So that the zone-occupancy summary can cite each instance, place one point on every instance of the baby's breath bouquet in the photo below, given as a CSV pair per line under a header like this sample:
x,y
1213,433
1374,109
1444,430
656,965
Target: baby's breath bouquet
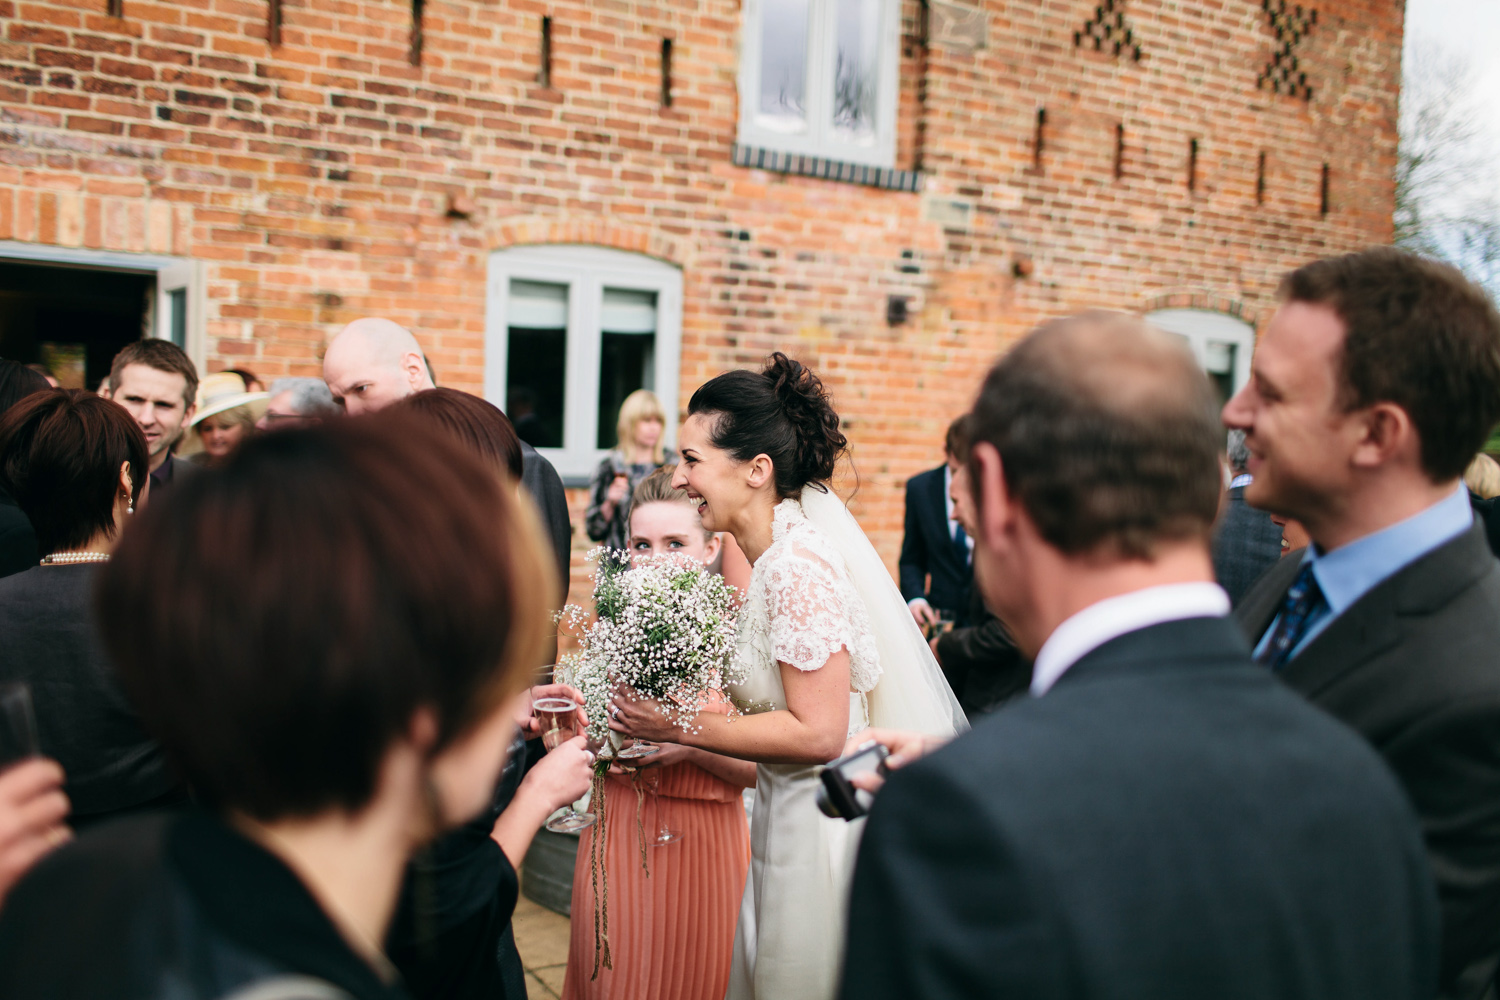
x,y
665,627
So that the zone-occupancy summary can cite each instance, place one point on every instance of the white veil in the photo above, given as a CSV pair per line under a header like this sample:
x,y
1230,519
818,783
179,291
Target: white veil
x,y
912,693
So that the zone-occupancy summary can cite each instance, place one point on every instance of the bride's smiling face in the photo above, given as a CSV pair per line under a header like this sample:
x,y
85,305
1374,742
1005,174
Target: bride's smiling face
x,y
721,485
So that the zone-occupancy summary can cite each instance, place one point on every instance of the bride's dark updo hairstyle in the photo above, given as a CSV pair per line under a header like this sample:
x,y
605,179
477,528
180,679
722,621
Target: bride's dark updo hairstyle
x,y
782,411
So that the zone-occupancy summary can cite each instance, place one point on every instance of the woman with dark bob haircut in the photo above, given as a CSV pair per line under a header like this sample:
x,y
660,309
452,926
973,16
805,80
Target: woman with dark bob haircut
x,y
451,937
329,635
77,466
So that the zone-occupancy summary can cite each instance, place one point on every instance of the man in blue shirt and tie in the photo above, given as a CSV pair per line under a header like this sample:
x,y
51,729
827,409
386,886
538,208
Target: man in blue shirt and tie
x,y
1373,386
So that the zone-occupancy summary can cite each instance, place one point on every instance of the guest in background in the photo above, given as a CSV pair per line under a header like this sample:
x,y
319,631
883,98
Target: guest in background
x,y
157,384
1246,543
672,931
297,402
32,810
400,580
981,661
17,540
936,562
639,451
45,373
250,381
1161,819
373,363
77,466
451,936
1482,477
1372,388
224,417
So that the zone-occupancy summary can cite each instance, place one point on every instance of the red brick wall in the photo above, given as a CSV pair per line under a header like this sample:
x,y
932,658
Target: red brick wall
x,y
313,178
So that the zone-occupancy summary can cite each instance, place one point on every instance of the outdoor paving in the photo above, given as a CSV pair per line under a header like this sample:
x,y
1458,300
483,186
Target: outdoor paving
x,y
542,940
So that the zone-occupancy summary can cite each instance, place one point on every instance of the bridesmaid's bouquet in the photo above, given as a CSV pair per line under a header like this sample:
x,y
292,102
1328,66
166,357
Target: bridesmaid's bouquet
x,y
664,626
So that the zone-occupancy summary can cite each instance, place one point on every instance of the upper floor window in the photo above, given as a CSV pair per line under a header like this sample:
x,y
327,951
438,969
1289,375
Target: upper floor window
x,y
570,331
818,77
1223,344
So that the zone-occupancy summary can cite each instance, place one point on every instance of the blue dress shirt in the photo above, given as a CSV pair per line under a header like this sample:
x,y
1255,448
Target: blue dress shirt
x,y
1349,572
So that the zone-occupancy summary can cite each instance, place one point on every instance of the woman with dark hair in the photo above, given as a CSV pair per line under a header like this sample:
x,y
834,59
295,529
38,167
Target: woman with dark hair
x,y
77,466
337,675
17,540
826,648
451,937
478,424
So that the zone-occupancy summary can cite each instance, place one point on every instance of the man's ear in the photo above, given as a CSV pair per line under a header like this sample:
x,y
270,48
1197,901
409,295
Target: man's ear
x,y
415,366
992,503
1386,433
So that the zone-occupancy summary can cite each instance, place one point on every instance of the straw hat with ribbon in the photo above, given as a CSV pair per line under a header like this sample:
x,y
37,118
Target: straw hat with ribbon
x,y
217,394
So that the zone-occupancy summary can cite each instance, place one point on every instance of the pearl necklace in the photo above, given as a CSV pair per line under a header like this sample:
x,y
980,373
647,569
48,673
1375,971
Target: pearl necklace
x,y
72,558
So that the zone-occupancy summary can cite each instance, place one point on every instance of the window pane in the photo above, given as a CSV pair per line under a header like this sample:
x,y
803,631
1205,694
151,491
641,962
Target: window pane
x,y
856,69
536,361
783,65
627,354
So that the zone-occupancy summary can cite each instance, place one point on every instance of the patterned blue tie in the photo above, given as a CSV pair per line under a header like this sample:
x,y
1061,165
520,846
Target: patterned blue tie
x,y
961,539
1303,600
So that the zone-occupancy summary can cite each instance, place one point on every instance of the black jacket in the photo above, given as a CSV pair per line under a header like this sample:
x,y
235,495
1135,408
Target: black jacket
x,y
1414,667
546,488
981,661
18,550
1166,822
1246,544
929,550
48,640
169,905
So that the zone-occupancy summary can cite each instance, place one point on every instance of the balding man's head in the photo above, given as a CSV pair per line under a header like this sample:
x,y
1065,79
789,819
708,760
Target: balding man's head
x,y
1107,433
372,363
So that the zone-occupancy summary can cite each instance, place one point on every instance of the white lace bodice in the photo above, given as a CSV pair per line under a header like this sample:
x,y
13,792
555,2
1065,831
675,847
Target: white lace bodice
x,y
800,609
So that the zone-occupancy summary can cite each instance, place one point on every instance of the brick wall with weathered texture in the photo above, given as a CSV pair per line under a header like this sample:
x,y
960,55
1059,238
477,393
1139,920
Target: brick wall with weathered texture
x,y
314,177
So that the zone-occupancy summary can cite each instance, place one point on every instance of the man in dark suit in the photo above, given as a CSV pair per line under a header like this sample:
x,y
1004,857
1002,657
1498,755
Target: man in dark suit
x,y
936,548
1246,541
1163,819
1373,386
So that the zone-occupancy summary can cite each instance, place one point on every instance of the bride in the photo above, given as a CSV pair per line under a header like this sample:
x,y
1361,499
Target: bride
x,y
826,648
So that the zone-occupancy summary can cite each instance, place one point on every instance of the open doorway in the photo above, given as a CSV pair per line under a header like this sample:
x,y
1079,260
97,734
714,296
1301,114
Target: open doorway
x,y
72,320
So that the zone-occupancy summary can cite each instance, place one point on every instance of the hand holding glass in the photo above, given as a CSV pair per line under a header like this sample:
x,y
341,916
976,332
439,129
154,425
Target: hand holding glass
x,y
559,722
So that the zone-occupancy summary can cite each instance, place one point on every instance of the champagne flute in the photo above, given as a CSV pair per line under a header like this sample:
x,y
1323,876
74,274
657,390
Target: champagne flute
x,y
559,723
664,835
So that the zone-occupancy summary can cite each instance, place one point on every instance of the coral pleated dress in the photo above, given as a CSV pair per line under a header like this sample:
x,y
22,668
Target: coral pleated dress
x,y
671,935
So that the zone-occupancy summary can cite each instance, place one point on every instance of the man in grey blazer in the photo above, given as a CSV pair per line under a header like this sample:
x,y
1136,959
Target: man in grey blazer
x,y
1373,386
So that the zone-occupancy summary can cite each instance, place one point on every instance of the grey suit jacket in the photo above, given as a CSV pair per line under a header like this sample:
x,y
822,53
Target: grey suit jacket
x,y
1246,544
1414,667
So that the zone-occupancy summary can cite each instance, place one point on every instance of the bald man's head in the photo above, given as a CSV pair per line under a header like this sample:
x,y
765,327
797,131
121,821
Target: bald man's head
x,y
372,363
1108,434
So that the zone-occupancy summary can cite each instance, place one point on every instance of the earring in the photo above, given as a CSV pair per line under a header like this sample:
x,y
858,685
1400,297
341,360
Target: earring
x,y
129,503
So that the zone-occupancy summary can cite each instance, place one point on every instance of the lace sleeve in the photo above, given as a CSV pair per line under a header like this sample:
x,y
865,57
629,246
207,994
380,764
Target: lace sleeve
x,y
808,623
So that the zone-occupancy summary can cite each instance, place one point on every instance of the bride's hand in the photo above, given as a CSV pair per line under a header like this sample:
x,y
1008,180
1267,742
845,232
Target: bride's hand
x,y
633,715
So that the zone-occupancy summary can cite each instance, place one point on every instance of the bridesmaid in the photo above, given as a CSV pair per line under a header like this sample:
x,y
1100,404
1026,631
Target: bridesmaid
x,y
672,934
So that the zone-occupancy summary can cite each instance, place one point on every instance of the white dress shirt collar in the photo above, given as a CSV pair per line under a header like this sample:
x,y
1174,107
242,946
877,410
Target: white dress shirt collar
x,y
1113,617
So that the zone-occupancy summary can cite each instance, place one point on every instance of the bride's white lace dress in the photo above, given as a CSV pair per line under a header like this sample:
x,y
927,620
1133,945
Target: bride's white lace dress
x,y
802,607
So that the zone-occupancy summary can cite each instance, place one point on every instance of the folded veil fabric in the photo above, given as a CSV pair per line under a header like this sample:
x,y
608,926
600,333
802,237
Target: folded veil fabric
x,y
912,693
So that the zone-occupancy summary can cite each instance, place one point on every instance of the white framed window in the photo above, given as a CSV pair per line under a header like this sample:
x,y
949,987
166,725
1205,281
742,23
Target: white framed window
x,y
819,78
570,331
1222,344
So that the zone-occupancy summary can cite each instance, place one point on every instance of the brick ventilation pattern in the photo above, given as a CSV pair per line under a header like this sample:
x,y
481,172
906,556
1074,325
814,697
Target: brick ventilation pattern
x,y
1108,31
832,170
1291,23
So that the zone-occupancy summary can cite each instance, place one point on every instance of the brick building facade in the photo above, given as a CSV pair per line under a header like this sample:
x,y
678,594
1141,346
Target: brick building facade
x,y
266,170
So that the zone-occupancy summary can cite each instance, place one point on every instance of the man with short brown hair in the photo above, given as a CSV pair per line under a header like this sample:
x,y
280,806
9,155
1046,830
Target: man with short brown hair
x,y
1162,818
157,383
1372,388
